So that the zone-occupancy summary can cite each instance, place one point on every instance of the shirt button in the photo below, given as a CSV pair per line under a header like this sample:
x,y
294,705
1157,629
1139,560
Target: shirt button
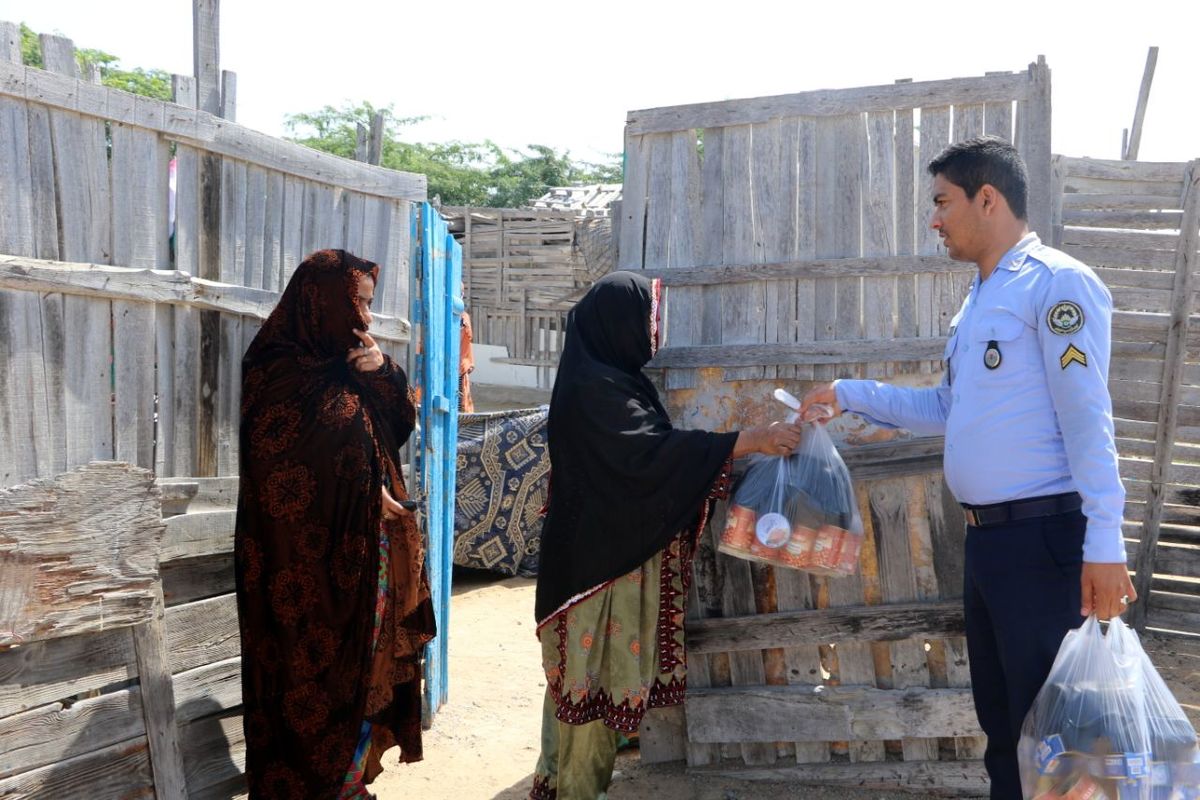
x,y
966,348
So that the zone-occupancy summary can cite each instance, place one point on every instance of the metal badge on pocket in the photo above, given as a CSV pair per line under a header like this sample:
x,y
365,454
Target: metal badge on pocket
x,y
991,356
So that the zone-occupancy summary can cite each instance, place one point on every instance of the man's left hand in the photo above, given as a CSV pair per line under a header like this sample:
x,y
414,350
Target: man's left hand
x,y
1107,590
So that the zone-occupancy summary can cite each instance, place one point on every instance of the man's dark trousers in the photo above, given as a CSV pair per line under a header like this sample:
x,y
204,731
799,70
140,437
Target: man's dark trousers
x,y
1021,595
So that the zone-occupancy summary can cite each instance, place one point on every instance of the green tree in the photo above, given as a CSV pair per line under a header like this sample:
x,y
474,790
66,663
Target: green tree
x,y
154,83
460,173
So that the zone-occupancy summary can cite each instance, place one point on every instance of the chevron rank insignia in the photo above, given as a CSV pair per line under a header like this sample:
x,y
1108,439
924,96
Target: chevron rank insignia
x,y
1073,355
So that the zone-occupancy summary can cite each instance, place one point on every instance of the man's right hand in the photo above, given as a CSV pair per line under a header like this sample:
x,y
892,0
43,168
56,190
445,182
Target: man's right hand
x,y
820,395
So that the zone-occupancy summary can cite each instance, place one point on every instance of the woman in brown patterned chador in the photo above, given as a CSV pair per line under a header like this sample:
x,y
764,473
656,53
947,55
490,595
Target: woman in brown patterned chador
x,y
629,493
332,594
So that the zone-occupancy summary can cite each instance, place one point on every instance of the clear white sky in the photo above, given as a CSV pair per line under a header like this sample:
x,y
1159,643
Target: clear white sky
x,y
564,74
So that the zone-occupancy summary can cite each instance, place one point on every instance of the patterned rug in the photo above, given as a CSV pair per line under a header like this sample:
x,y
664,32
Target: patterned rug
x,y
503,475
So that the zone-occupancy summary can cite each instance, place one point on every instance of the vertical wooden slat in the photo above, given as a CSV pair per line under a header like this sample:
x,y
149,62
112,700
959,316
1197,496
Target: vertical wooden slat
x,y
847,221
273,225
879,231
89,410
633,205
186,389
909,217
256,221
890,510
293,228
1036,148
1168,410
233,222
229,383
45,200
935,136
206,54
806,233
158,705
742,304
134,334
712,228
685,314
830,205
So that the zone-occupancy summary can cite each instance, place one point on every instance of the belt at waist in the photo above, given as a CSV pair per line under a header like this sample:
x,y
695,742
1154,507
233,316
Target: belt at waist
x,y
1016,510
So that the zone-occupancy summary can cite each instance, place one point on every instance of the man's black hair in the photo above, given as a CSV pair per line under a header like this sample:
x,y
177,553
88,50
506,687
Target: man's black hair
x,y
986,159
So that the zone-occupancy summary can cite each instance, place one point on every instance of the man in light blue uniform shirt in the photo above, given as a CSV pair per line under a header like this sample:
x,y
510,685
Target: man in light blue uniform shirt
x,y
1025,409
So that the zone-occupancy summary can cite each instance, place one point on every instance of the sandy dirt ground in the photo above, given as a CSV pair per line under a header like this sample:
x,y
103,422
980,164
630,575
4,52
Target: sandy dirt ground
x,y
484,743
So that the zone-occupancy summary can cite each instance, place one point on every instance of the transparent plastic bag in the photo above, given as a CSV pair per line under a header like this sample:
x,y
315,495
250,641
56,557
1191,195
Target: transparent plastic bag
x,y
797,511
1093,729
1174,755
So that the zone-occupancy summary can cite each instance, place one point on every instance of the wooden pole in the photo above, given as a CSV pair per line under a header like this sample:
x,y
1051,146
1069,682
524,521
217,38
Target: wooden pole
x,y
206,59
360,142
375,146
1168,407
1139,114
229,95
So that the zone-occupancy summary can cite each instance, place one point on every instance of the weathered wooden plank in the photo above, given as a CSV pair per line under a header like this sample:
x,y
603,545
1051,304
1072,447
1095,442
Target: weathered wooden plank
x,y
120,770
16,210
829,102
190,579
214,751
139,198
54,345
88,374
1121,218
208,132
879,233
156,286
41,187
201,533
1169,415
877,266
1035,147
233,222
682,240
742,305
187,210
1113,169
934,137
202,632
923,778
746,669
208,689
805,244
158,703
57,582
229,393
850,713
821,352
796,628
633,202
59,731
133,369
255,227
42,672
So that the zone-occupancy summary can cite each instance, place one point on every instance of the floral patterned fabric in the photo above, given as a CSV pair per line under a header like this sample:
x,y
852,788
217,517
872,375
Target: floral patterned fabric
x,y
318,441
620,650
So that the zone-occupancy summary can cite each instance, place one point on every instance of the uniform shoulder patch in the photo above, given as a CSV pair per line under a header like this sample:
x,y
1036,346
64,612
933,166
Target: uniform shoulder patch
x,y
1072,355
1065,318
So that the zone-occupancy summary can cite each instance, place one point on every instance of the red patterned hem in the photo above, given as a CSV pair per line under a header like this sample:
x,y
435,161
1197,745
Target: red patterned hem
x,y
624,717
541,789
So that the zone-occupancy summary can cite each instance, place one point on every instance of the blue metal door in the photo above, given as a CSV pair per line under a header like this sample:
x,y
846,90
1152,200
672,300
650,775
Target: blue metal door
x,y
437,308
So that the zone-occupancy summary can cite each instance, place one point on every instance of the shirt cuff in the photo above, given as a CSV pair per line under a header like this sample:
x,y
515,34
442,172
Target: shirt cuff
x,y
1104,546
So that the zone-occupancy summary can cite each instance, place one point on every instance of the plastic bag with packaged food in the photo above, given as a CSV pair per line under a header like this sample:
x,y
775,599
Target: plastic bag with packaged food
x,y
797,511
1105,727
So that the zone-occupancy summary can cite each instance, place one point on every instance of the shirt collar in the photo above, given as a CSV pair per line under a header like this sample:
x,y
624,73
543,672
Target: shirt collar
x,y
1015,258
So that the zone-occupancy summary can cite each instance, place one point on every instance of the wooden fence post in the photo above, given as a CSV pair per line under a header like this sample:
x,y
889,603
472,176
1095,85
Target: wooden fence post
x,y
1168,408
206,58
158,704
1036,149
